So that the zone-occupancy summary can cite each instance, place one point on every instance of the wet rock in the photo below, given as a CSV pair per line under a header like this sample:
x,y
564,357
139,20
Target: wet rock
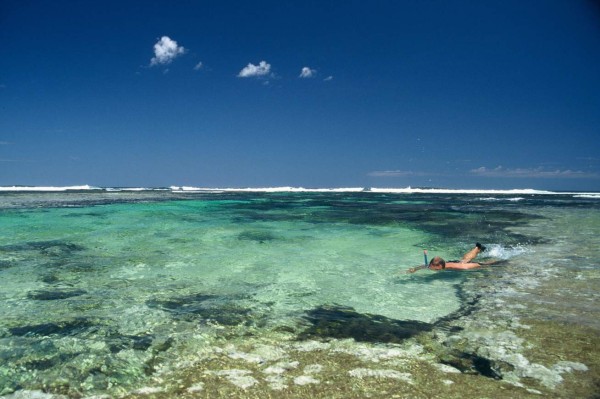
x,y
345,322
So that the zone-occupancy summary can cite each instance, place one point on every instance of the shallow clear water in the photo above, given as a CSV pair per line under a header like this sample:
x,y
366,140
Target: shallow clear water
x,y
104,292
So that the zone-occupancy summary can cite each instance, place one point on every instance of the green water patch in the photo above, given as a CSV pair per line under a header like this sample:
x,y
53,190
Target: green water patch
x,y
333,321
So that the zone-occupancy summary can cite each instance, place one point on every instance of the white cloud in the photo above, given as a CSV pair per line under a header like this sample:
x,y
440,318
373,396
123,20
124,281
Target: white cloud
x,y
328,78
263,68
165,51
538,173
198,66
307,72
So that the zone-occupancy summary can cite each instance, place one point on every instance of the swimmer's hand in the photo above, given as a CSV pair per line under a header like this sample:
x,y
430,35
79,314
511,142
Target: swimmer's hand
x,y
414,269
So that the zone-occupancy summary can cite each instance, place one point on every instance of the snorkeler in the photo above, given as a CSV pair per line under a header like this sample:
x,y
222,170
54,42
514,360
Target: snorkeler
x,y
465,263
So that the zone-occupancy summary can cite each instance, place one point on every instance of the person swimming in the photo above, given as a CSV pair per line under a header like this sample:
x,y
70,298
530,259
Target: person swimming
x,y
465,263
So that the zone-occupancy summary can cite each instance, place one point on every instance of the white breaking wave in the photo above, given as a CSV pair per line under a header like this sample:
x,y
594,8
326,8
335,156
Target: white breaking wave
x,y
406,190
410,190
500,252
285,189
587,196
119,189
514,199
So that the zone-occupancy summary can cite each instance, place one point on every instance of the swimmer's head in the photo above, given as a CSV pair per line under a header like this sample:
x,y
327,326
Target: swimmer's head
x,y
437,263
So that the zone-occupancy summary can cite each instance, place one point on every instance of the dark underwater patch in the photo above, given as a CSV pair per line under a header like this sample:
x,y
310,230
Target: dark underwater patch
x,y
259,236
117,343
449,216
206,307
86,214
52,295
63,328
6,264
344,322
49,248
51,278
44,363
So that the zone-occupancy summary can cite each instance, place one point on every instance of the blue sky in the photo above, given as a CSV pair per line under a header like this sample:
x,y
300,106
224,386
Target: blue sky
x,y
456,94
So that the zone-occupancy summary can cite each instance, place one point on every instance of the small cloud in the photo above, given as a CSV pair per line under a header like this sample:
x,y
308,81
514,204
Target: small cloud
x,y
307,72
263,68
397,173
328,78
165,51
198,66
4,143
537,173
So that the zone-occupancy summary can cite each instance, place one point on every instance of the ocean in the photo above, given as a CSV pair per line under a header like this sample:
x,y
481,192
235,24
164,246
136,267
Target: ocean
x,y
292,293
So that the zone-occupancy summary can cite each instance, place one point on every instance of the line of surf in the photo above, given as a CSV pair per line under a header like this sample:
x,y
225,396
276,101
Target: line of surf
x,y
290,189
405,190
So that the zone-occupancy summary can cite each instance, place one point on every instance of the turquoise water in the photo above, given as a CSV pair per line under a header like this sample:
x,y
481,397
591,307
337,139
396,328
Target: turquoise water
x,y
103,293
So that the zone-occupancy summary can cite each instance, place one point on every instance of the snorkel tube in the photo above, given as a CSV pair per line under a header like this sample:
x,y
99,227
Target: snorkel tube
x,y
425,257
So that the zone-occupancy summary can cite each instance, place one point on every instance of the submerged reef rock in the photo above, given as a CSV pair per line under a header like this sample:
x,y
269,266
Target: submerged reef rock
x,y
52,295
118,342
344,322
206,307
